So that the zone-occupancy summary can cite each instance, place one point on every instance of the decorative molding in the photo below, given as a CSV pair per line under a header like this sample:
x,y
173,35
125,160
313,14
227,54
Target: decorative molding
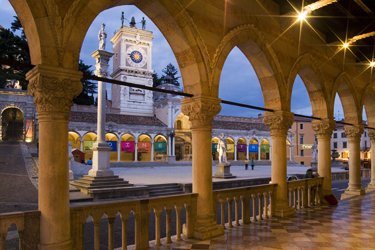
x,y
279,122
353,132
323,127
371,135
201,110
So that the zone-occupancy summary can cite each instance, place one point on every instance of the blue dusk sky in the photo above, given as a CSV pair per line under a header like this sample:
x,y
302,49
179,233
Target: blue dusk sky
x,y
238,81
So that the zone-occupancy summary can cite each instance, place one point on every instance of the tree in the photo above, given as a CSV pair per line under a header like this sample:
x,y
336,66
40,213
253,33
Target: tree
x,y
170,75
156,80
14,51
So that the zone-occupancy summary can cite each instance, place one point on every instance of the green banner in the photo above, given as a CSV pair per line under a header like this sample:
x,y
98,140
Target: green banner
x,y
265,148
160,147
214,147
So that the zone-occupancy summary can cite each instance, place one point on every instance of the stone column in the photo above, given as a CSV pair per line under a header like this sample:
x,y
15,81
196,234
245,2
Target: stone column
x,y
371,185
323,130
279,123
135,151
101,150
119,150
152,150
201,111
53,89
235,151
259,144
353,133
247,150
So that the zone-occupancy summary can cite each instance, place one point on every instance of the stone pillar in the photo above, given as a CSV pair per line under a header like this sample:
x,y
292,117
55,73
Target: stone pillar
x,y
323,130
371,185
247,150
201,111
101,150
259,144
235,151
119,150
152,150
53,89
353,133
279,123
291,156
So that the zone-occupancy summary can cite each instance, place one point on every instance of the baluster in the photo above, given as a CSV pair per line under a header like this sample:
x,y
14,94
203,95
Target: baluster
x,y
254,207
302,197
188,223
294,198
317,197
157,227
110,233
290,197
245,203
222,213
230,225
178,223
271,204
259,196
168,213
97,234
298,202
236,211
20,240
123,232
265,207
309,196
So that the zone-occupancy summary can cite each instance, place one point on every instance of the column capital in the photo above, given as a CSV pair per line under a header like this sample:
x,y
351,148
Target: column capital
x,y
53,89
353,132
102,62
201,110
278,122
323,127
371,135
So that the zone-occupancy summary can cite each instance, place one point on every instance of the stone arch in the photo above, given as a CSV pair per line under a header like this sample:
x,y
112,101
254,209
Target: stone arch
x,y
75,139
344,87
55,39
306,66
262,57
12,123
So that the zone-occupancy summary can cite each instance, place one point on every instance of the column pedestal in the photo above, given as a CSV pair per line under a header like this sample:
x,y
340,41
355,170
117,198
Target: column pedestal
x,y
100,160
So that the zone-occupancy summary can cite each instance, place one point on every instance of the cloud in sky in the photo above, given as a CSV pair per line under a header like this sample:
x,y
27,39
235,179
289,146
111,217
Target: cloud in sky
x,y
238,81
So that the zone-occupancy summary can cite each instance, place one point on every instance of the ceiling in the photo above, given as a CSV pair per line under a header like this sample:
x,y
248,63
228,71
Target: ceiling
x,y
340,21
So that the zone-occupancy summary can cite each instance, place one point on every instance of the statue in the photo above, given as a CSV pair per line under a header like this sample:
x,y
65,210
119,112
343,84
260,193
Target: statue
x,y
102,36
122,19
314,155
143,22
132,23
222,150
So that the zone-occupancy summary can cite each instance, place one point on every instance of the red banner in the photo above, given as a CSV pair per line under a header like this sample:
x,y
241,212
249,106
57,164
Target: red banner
x,y
127,146
144,147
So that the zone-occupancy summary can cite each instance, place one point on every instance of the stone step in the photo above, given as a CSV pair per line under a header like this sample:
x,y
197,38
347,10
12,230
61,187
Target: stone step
x,y
165,189
91,186
103,183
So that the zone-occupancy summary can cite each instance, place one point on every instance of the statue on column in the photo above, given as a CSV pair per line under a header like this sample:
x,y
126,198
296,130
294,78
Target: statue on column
x,y
222,150
122,19
143,22
132,23
102,36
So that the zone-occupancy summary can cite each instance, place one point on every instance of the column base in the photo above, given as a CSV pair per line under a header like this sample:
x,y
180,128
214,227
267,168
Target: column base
x,y
100,173
370,187
206,228
56,246
100,161
283,210
223,171
171,159
350,193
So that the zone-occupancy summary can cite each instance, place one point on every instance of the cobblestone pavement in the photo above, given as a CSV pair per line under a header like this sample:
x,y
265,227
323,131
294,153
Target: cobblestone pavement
x,y
17,192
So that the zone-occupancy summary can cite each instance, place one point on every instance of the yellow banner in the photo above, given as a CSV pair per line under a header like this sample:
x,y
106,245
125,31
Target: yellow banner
x,y
230,148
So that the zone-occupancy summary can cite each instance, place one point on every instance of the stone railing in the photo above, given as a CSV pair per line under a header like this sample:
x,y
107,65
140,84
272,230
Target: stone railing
x,y
136,213
255,201
304,193
24,226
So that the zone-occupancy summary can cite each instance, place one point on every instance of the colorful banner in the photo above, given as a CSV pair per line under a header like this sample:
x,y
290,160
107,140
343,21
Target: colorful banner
x,y
253,148
87,145
144,147
230,148
112,145
160,147
265,148
241,147
128,146
214,147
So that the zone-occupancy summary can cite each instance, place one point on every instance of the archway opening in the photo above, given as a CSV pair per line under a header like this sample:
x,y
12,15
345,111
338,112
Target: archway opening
x,y
241,149
127,145
88,143
12,124
254,149
264,150
339,140
144,148
112,140
160,148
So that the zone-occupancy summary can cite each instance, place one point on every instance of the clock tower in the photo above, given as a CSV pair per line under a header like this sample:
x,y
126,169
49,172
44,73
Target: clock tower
x,y
132,62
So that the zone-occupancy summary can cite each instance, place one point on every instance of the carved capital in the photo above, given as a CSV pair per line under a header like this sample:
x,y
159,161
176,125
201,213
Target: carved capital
x,y
371,134
353,132
201,110
324,127
278,122
53,89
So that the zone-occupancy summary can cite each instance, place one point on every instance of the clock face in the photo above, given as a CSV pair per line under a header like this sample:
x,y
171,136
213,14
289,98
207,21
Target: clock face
x,y
136,56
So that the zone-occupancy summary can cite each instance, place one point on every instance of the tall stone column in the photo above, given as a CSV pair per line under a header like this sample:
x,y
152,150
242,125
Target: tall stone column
x,y
53,89
279,123
201,111
323,130
101,150
353,133
371,185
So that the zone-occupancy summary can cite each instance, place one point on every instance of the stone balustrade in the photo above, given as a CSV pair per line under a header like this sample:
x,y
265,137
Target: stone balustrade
x,y
256,204
25,224
137,210
304,193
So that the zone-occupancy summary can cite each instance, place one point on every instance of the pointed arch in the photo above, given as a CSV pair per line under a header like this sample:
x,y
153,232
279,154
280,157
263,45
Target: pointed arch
x,y
307,68
352,109
262,57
